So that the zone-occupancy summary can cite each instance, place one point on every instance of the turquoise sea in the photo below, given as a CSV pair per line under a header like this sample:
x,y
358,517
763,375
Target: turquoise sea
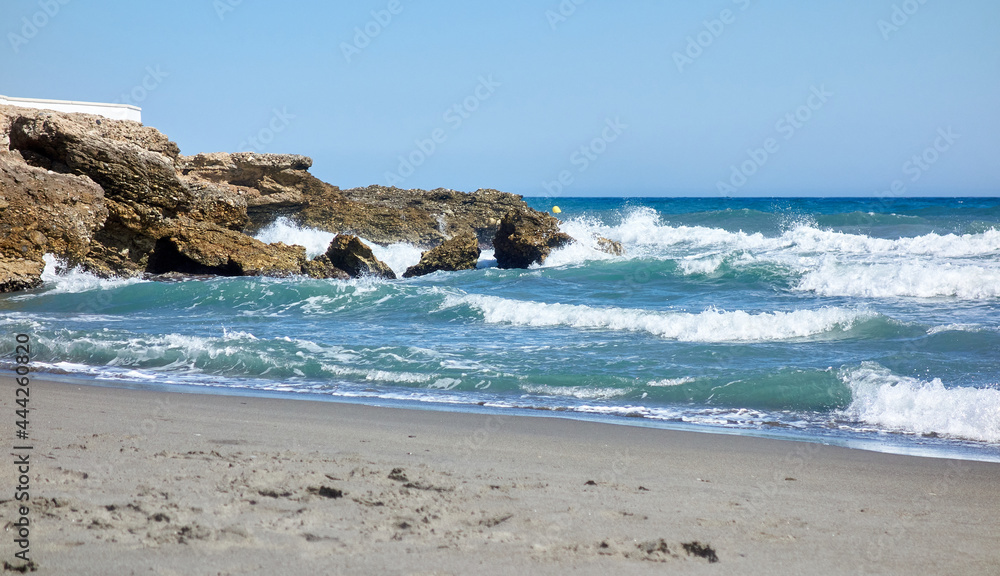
x,y
871,323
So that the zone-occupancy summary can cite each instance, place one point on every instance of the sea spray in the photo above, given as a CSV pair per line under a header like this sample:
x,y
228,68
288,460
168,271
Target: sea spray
x,y
398,256
284,230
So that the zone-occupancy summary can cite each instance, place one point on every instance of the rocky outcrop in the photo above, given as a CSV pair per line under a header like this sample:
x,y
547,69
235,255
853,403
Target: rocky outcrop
x,y
125,170
198,248
321,267
273,185
20,274
117,198
276,185
40,212
350,254
459,253
526,237
142,194
420,217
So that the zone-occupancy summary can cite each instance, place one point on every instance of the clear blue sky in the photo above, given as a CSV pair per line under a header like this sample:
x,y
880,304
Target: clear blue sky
x,y
655,114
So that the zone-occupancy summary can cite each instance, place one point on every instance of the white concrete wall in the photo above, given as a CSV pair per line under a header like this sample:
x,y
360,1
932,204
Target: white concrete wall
x,y
113,111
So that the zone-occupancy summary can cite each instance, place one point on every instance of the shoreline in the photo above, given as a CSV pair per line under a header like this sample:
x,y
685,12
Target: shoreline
x,y
899,444
173,482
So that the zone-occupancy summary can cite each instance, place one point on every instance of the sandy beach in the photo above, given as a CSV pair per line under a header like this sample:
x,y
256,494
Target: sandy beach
x,y
141,482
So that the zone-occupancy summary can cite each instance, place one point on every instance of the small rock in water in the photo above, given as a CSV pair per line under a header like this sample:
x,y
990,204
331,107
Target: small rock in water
x,y
610,246
350,254
526,237
459,253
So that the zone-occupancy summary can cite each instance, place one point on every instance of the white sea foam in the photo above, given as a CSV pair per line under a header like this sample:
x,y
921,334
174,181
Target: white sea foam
x,y
700,249
809,239
701,264
181,351
645,235
371,375
487,259
98,372
712,325
721,417
75,280
579,392
284,230
956,328
906,404
237,335
922,280
21,319
830,263
143,357
398,256
583,250
64,367
668,382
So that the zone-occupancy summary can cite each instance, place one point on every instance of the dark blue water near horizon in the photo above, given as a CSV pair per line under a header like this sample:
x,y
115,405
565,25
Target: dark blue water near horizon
x,y
871,323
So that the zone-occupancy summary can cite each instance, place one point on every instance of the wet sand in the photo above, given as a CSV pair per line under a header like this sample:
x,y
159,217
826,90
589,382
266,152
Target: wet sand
x,y
133,481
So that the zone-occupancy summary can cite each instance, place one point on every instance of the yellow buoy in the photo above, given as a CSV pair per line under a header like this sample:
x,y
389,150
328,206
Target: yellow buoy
x,y
556,210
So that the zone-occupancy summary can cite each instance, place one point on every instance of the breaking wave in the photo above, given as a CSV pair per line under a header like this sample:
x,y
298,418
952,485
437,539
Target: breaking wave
x,y
967,282
643,230
827,262
74,280
911,405
712,325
